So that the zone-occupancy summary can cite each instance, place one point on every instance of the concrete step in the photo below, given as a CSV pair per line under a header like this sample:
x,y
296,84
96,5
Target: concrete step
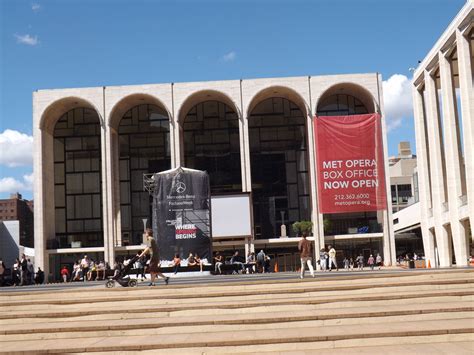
x,y
253,336
246,318
202,296
160,305
306,316
445,344
235,289
191,330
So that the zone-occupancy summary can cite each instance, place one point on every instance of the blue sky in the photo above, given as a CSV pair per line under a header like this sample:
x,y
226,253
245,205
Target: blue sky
x,y
70,43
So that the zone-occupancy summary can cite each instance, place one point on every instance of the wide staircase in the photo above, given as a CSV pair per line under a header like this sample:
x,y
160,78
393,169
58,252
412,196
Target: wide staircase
x,y
428,312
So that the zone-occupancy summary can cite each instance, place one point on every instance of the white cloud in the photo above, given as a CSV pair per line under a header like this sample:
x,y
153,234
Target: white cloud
x,y
229,57
27,39
12,185
35,7
16,148
398,100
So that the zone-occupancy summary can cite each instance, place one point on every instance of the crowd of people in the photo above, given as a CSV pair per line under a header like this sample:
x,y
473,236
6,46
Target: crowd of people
x,y
327,261
87,269
22,273
253,263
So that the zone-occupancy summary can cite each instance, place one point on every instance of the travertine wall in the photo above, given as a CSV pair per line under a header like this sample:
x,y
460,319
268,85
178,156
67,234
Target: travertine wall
x,y
446,184
177,98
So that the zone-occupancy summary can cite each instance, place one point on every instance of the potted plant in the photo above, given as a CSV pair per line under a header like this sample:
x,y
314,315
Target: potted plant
x,y
301,227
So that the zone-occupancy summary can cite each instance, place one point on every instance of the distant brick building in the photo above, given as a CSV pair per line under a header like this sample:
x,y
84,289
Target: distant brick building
x,y
16,208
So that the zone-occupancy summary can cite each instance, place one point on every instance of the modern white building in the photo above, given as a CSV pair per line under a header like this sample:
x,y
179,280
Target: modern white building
x,y
254,137
443,99
402,176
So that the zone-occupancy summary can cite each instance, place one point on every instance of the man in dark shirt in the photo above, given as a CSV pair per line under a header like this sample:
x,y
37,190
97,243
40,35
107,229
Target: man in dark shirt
x,y
306,253
152,249
39,279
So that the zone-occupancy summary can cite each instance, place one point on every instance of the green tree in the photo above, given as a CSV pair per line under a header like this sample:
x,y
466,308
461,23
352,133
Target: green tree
x,y
301,227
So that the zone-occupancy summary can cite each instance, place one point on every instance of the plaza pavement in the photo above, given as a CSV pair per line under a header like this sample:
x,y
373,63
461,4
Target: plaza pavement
x,y
429,312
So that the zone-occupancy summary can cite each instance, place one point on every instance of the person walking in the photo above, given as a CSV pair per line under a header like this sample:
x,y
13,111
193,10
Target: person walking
x,y
152,249
305,248
261,261
332,258
371,262
360,262
378,261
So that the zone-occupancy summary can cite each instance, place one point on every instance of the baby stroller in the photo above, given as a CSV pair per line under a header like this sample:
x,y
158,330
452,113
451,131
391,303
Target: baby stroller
x,y
122,277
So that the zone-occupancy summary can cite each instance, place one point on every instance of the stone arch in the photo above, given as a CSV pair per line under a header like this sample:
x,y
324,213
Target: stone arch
x,y
279,91
58,108
210,138
351,89
132,100
202,96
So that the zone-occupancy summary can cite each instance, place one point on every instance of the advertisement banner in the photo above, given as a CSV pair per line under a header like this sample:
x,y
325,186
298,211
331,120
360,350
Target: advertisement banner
x,y
181,214
350,163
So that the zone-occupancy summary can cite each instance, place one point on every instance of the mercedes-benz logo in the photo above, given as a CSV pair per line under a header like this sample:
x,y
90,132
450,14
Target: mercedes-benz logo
x,y
180,187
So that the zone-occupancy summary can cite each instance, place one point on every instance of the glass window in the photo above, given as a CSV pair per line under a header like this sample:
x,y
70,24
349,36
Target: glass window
x,y
211,143
278,154
143,148
341,105
77,178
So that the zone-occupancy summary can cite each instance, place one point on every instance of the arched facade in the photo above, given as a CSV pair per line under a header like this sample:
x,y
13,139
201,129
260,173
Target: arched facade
x,y
141,144
77,180
210,139
347,99
68,131
279,166
252,136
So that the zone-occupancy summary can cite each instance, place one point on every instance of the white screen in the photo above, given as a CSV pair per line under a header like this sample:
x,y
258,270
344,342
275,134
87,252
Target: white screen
x,y
231,216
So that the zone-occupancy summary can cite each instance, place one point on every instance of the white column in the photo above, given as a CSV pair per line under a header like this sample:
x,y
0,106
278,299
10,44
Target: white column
x,y
467,109
106,182
176,132
246,172
108,194
172,142
453,172
43,208
436,168
389,250
316,217
423,174
246,143
244,159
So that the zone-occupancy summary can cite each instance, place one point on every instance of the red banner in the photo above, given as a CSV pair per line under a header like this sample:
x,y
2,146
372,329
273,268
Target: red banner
x,y
350,163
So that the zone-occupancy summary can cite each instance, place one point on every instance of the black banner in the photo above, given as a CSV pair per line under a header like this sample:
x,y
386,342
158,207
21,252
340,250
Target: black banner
x,y
181,214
